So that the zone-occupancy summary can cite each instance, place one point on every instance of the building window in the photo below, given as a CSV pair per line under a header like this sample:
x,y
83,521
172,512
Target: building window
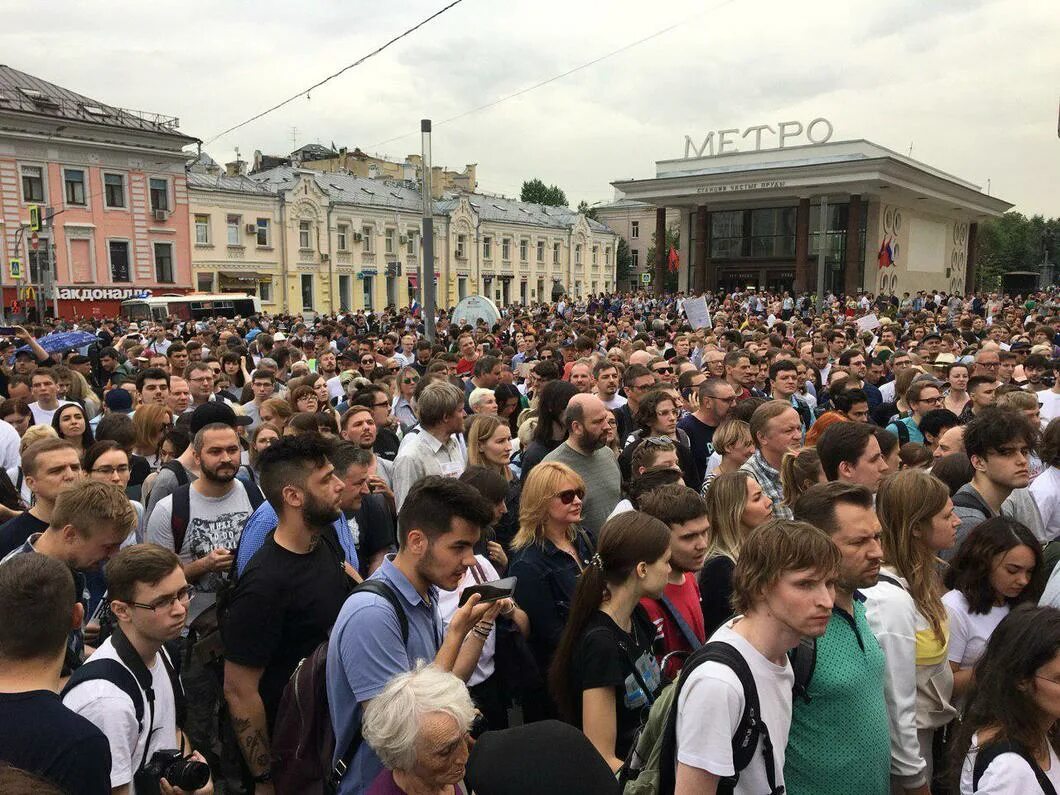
x,y
487,248
159,193
540,251
307,292
32,184
204,282
265,290
74,182
232,223
114,190
38,261
263,231
304,241
634,229
345,293
594,257
578,254
555,253
366,239
119,260
634,258
390,241
506,249
202,230
753,234
410,243
524,250
368,282
342,235
461,246
164,263
607,255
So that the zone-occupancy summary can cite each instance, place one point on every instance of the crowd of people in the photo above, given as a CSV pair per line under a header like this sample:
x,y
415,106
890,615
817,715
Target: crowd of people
x,y
807,547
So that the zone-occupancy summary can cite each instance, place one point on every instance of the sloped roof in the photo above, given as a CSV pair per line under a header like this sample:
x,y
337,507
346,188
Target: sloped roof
x,y
497,208
223,182
25,93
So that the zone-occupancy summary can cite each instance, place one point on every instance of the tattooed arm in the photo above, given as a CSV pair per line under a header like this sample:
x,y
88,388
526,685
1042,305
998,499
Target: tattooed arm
x,y
248,716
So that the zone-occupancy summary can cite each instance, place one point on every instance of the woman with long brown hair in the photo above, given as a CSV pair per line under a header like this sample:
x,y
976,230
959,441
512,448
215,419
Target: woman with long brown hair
x,y
605,672
906,612
150,421
489,444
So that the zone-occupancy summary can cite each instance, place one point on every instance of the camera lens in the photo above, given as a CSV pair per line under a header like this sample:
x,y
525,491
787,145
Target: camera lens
x,y
187,774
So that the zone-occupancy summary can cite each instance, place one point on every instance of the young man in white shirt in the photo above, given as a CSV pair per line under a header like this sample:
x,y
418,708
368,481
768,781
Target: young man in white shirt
x,y
46,401
783,590
149,599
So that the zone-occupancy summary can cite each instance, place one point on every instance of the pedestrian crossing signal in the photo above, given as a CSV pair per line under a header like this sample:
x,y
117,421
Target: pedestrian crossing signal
x,y
15,269
34,217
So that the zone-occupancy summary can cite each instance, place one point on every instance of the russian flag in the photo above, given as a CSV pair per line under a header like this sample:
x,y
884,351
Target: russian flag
x,y
886,255
414,307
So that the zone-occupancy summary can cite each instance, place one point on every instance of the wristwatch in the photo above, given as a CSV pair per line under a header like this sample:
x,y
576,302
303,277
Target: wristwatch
x,y
264,778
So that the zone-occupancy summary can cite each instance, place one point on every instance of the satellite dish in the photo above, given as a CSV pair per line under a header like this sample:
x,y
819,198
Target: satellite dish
x,y
475,308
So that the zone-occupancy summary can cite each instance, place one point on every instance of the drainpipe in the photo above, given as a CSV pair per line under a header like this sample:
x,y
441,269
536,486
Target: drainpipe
x,y
331,262
283,251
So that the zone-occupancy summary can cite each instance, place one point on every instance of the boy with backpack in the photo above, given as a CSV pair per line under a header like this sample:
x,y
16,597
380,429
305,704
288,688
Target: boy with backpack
x,y
729,731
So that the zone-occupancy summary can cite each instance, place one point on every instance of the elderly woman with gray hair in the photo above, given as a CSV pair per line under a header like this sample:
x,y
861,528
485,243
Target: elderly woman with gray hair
x,y
418,727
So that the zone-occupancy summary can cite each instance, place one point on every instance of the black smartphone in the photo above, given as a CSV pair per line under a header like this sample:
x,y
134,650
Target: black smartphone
x,y
491,591
8,331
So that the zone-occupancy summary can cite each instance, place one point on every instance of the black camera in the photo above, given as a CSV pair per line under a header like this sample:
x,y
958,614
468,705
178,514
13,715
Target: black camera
x,y
179,770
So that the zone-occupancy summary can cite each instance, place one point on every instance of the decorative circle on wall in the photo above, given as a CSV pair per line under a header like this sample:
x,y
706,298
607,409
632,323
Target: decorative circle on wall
x,y
954,259
894,248
897,222
956,234
888,220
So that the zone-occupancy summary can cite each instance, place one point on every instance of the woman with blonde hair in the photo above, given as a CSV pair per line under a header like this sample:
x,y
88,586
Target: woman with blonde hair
x,y
489,444
732,441
736,505
150,421
907,615
548,554
276,411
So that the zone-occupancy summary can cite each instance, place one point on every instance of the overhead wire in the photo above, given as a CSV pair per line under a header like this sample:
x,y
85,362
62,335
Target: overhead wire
x,y
329,78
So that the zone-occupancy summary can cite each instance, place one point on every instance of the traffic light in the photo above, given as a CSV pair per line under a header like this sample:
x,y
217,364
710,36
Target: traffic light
x,y
34,218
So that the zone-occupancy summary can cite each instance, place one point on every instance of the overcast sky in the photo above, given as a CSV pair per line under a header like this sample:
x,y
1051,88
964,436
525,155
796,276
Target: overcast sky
x,y
971,85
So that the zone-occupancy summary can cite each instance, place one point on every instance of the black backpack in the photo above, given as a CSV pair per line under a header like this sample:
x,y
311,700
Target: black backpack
x,y
989,752
180,513
749,731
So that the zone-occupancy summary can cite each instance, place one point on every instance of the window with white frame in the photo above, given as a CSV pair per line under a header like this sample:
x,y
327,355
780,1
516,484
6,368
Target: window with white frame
x,y
634,229
540,250
232,223
159,190
461,246
634,260
164,263
32,183
114,191
390,241
506,249
202,230
305,235
366,239
342,237
577,253
524,250
265,290
487,248
410,242
594,253
119,260
555,253
74,186
607,255
263,231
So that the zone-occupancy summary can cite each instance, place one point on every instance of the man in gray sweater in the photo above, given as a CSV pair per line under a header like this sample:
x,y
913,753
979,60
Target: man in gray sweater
x,y
586,452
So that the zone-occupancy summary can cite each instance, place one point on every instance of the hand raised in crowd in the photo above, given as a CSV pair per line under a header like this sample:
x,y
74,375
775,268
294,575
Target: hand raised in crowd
x,y
497,555
473,611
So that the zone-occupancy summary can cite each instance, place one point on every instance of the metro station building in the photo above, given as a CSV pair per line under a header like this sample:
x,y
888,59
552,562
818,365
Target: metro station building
x,y
752,217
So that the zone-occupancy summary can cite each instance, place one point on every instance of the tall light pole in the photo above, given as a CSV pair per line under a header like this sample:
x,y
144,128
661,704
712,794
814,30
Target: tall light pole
x,y
821,248
427,270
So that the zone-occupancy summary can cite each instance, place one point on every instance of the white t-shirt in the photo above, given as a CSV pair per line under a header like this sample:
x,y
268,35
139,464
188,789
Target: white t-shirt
x,y
710,707
449,601
1007,774
969,632
616,402
43,416
9,444
1050,401
1045,489
109,708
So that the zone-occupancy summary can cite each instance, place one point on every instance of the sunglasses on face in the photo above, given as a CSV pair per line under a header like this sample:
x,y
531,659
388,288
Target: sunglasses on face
x,y
663,369
567,496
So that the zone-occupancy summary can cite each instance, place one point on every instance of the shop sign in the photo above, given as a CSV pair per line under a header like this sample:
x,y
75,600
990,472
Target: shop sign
x,y
818,131
736,187
101,294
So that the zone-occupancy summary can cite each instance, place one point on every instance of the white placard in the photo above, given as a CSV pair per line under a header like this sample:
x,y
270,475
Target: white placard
x,y
868,323
697,313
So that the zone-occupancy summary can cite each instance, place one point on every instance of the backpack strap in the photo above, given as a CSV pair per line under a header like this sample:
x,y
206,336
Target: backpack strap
x,y
117,674
383,589
989,752
887,578
649,695
803,659
903,432
179,472
687,633
180,515
972,501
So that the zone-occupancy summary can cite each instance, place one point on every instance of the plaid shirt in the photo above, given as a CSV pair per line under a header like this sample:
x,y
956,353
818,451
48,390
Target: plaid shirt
x,y
769,479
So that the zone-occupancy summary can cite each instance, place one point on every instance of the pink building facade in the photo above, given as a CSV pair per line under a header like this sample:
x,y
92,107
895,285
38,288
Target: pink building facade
x,y
112,188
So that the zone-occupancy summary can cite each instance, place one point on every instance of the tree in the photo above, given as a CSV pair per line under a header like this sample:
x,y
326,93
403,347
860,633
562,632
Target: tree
x,y
673,239
586,210
534,191
623,262
1014,242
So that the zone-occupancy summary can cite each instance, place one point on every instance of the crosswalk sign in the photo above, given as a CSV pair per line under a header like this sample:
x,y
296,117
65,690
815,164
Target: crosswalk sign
x,y
15,268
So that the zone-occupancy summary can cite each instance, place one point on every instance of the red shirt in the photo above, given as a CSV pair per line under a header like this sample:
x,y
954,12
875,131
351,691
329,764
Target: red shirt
x,y
684,597
465,367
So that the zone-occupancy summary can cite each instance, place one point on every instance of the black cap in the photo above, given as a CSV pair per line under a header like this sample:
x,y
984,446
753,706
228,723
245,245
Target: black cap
x,y
932,336
215,411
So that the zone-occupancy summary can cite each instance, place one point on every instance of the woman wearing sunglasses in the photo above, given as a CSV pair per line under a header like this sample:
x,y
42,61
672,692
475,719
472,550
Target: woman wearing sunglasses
x,y
547,555
404,405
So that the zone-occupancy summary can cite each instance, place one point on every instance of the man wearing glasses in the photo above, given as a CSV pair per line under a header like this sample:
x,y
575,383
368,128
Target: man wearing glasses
x,y
149,598
663,370
715,397
922,397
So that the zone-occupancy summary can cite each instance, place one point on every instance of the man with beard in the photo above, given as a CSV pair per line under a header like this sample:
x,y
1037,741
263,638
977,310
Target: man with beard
x,y
586,452
358,426
839,739
287,599
201,522
440,522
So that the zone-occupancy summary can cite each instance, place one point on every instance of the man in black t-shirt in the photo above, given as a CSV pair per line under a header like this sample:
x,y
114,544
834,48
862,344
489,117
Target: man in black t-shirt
x,y
287,599
38,605
715,397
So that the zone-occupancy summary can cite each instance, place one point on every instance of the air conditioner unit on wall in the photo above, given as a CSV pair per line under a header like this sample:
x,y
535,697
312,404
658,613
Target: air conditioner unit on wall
x,y
404,239
161,215
325,257
358,237
252,229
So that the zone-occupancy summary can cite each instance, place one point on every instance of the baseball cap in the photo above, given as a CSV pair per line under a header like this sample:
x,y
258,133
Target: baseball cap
x,y
118,400
214,411
1022,345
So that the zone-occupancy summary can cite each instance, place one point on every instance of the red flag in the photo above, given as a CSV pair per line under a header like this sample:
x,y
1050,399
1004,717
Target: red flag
x,y
884,258
673,260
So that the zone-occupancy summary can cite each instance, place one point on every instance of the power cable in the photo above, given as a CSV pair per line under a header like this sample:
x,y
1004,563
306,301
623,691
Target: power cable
x,y
342,71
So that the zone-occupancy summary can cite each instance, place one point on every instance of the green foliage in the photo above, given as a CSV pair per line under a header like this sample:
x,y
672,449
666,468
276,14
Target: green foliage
x,y
1014,242
623,262
536,192
673,238
586,210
